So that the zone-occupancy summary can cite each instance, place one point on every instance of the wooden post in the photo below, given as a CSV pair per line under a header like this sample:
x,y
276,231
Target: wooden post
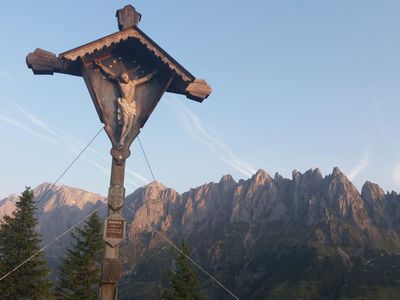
x,y
114,233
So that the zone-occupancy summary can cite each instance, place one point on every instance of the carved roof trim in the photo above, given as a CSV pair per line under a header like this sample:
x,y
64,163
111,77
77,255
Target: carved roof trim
x,y
123,35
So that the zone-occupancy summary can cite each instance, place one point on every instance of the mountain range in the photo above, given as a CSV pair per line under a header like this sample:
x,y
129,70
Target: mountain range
x,y
308,237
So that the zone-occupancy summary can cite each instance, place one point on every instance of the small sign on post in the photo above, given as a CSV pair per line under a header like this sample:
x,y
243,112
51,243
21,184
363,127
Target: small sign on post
x,y
114,230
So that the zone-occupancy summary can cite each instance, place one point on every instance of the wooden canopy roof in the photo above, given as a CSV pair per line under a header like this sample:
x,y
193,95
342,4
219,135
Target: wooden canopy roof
x,y
131,39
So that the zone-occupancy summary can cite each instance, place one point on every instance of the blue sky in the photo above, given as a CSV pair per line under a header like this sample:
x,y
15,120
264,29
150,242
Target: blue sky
x,y
297,85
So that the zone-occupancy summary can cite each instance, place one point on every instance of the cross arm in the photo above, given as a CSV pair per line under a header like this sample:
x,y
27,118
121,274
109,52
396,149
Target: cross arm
x,y
43,62
198,90
146,78
105,70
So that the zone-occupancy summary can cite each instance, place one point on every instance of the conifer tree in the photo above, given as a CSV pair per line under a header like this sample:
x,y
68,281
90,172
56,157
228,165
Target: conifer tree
x,y
183,282
19,241
79,273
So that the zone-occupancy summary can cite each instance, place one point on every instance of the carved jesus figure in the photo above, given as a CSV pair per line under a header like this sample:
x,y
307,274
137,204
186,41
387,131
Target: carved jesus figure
x,y
127,102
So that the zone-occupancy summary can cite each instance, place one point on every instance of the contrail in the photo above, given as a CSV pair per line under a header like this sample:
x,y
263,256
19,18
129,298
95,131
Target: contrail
x,y
198,132
42,125
364,162
138,176
18,124
4,74
106,171
52,136
35,119
396,173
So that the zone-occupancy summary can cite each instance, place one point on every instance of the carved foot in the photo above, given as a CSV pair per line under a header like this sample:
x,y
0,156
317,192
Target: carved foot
x,y
120,155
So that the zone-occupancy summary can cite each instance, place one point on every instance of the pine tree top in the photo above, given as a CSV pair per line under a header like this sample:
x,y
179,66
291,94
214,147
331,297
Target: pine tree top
x,y
183,282
18,242
79,272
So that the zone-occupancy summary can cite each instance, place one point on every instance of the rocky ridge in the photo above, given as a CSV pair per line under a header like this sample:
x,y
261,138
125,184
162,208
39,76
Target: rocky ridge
x,y
308,198
233,227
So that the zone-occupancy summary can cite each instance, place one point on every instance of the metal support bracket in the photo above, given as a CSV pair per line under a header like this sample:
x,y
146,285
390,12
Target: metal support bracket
x,y
111,272
116,196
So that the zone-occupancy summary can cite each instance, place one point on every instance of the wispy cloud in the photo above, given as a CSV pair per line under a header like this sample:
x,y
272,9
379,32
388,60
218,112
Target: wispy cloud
x,y
199,132
98,166
362,164
42,129
106,171
44,132
35,119
138,177
396,173
4,74
16,123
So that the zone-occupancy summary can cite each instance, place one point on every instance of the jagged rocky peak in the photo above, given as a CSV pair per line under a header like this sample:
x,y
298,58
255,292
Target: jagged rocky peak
x,y
52,196
336,172
315,173
227,182
43,187
309,173
153,189
338,180
344,199
339,176
12,198
260,177
311,176
372,192
295,174
227,179
156,184
7,205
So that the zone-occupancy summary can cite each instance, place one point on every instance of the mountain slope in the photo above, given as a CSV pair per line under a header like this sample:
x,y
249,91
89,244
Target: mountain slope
x,y
308,237
259,234
59,207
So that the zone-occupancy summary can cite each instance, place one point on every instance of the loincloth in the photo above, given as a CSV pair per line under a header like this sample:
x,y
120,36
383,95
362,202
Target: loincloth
x,y
128,108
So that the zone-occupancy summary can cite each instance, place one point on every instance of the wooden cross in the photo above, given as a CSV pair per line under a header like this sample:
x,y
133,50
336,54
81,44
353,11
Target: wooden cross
x,y
126,74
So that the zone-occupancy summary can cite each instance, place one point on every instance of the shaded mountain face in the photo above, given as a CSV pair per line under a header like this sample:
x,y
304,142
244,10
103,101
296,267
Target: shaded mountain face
x,y
267,237
330,205
309,235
